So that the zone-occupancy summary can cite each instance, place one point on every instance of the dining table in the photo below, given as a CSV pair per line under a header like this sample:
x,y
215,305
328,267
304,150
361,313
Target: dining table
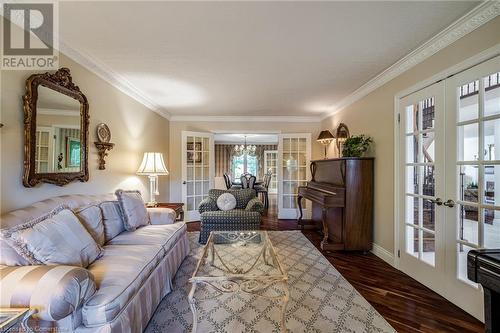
x,y
238,183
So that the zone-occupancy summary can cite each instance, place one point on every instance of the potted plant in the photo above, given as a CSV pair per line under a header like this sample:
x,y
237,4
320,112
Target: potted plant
x,y
356,145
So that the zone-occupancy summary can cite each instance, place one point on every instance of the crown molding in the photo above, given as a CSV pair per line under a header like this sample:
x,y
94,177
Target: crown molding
x,y
480,15
247,119
110,76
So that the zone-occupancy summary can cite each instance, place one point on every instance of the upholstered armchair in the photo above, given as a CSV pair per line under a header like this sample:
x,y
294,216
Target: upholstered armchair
x,y
245,216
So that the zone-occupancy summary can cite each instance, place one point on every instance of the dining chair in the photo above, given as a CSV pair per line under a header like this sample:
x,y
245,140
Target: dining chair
x,y
248,182
229,182
264,189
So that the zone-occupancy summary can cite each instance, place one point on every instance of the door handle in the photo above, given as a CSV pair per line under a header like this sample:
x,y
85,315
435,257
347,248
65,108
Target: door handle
x,y
437,201
449,203
184,183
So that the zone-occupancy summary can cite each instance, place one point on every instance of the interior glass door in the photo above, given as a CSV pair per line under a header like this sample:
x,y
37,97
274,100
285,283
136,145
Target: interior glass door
x,y
422,186
473,176
271,165
294,152
197,171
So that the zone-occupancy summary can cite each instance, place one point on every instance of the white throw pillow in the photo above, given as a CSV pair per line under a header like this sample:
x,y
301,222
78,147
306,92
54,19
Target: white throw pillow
x,y
133,209
57,238
226,201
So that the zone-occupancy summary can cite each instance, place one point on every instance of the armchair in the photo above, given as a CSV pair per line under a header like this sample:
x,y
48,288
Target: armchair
x,y
245,216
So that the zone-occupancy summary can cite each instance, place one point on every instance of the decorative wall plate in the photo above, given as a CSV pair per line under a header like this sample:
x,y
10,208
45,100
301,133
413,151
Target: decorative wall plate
x,y
103,133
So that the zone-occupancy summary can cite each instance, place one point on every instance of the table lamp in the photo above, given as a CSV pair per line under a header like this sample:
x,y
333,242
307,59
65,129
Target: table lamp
x,y
325,138
152,166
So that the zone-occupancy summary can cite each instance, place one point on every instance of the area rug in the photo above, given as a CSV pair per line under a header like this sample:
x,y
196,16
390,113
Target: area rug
x,y
321,300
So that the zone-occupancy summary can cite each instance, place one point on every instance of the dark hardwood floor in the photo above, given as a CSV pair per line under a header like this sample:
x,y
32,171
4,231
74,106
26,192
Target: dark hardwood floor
x,y
405,303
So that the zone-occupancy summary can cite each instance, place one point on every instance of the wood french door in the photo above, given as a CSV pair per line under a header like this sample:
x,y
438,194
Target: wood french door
x,y
422,188
198,165
294,155
449,195
472,176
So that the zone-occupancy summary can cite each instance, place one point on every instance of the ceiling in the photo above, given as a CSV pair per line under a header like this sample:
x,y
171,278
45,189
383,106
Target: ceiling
x,y
251,138
258,58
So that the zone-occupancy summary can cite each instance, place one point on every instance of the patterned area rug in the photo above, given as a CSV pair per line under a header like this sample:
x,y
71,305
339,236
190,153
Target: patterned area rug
x,y
321,300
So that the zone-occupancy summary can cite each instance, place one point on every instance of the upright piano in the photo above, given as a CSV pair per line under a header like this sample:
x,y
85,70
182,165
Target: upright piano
x,y
341,192
483,267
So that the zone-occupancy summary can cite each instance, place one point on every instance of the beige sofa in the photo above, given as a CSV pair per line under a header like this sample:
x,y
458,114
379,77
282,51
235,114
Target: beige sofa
x,y
118,292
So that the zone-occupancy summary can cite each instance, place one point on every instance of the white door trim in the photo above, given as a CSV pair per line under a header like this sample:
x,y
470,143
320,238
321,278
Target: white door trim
x,y
460,67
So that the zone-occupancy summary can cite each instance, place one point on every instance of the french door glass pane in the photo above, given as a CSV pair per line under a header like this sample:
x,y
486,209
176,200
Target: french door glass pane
x,y
468,105
411,149
469,183
428,146
468,142
412,179
412,211
411,118
491,181
428,214
491,228
428,114
412,241
468,224
491,133
429,184
492,94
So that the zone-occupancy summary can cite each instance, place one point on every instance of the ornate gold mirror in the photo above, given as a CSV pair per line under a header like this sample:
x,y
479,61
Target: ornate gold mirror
x,y
56,121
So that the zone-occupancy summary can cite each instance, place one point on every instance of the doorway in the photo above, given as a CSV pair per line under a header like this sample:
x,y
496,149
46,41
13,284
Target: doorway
x,y
448,201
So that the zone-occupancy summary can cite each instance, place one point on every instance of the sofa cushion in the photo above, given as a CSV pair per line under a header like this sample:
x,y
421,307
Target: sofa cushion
x,y
164,235
133,209
112,219
91,218
56,238
226,201
8,256
118,274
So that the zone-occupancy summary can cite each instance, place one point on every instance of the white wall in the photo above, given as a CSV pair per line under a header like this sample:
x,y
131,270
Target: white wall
x,y
134,129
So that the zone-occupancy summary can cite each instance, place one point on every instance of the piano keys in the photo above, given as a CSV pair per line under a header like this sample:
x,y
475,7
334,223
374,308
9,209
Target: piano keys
x,y
483,267
341,192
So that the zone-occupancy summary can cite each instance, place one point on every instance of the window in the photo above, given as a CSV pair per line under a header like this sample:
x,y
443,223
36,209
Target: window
x,y
244,164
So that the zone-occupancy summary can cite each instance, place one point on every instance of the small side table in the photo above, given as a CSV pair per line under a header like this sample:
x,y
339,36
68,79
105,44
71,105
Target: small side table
x,y
177,206
12,317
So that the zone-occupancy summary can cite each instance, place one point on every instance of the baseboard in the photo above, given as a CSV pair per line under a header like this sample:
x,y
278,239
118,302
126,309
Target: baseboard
x,y
383,254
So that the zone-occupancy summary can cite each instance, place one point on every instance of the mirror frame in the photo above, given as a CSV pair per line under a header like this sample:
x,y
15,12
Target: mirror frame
x,y
61,82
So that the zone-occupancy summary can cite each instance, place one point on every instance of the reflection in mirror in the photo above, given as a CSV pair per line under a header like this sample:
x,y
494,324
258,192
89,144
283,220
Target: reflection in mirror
x,y
58,133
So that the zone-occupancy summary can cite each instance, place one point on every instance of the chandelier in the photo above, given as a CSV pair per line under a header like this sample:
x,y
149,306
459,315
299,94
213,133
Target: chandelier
x,y
245,149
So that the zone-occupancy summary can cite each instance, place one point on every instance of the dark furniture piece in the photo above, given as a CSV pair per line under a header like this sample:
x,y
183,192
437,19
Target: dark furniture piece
x,y
176,206
263,189
483,267
248,181
341,191
229,182
245,216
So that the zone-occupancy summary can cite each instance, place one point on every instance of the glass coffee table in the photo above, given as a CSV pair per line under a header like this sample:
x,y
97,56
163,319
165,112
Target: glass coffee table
x,y
11,317
240,261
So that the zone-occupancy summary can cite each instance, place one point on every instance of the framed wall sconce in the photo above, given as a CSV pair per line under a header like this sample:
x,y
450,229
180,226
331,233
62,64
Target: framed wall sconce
x,y
341,134
103,145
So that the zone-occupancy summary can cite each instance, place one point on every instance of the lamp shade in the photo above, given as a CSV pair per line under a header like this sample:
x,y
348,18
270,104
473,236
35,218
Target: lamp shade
x,y
325,137
152,164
